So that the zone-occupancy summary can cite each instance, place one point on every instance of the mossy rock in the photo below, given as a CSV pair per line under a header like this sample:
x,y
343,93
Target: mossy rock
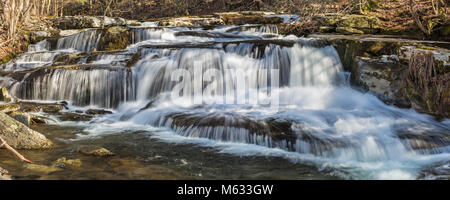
x,y
348,30
359,21
6,59
115,38
94,151
5,108
362,23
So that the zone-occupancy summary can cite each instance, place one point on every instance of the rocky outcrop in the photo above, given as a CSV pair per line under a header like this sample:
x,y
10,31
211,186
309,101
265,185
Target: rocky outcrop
x,y
228,18
115,38
348,24
379,65
19,136
192,21
81,22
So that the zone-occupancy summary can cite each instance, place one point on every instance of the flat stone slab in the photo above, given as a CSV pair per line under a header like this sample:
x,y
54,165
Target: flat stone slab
x,y
375,38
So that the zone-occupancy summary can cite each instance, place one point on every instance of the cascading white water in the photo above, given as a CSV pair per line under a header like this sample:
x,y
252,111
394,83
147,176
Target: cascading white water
x,y
85,41
318,114
99,87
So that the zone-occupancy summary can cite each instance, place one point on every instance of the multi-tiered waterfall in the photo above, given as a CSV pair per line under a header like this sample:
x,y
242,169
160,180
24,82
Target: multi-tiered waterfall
x,y
304,105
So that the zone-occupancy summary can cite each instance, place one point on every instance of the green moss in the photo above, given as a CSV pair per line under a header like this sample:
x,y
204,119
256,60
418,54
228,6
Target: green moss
x,y
5,59
445,31
115,38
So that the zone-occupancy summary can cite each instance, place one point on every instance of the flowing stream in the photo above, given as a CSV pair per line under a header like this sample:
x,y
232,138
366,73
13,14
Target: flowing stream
x,y
295,102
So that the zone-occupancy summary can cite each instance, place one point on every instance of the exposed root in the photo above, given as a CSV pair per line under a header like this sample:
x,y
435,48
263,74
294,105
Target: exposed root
x,y
3,143
426,79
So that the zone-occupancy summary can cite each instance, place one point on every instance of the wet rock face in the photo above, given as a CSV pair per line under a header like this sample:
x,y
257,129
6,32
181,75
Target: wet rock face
x,y
439,171
379,64
382,77
20,136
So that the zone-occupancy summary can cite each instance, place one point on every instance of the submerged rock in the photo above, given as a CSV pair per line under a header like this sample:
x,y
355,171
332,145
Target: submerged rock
x,y
94,151
74,116
64,163
19,136
42,168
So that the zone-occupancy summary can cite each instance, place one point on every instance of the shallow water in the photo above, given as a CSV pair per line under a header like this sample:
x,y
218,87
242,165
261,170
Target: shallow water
x,y
139,156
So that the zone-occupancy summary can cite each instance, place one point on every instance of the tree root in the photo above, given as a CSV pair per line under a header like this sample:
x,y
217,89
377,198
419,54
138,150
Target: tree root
x,y
3,143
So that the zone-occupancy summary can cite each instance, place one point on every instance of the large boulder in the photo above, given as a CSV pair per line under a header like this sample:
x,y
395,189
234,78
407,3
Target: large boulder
x,y
20,136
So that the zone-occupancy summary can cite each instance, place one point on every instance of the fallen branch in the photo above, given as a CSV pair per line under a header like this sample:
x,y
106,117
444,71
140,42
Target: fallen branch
x,y
13,150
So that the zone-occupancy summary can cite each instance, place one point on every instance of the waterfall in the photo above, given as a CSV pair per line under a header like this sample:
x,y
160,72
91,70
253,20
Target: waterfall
x,y
85,41
98,87
311,109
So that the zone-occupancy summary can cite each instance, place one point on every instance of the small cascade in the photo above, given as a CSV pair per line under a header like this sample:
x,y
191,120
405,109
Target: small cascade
x,y
98,87
152,33
85,41
268,29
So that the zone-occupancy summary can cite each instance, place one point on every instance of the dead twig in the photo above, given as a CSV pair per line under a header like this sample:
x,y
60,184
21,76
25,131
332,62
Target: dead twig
x,y
13,150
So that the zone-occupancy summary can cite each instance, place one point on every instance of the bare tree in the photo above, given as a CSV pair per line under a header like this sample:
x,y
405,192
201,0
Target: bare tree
x,y
15,12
